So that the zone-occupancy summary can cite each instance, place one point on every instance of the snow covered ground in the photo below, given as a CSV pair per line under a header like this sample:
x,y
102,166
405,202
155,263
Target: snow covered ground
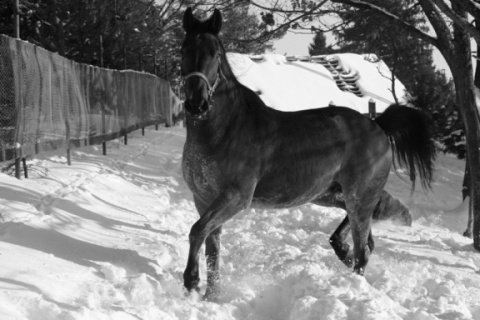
x,y
106,238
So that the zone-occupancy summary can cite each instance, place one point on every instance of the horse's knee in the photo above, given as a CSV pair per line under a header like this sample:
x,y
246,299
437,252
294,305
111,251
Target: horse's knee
x,y
198,232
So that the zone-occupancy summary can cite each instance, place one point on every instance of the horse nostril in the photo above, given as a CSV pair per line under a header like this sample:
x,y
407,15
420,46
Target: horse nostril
x,y
196,107
196,103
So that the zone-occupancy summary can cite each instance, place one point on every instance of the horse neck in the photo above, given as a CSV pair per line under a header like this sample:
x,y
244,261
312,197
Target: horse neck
x,y
229,113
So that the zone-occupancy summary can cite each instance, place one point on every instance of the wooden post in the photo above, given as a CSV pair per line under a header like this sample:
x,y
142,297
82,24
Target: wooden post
x,y
125,139
166,69
16,19
155,65
372,109
143,131
25,169
17,168
124,56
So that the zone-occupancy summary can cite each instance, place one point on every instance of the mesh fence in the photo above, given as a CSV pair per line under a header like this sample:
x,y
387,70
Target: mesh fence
x,y
48,102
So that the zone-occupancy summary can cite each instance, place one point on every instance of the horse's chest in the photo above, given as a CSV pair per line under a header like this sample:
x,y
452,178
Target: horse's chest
x,y
201,173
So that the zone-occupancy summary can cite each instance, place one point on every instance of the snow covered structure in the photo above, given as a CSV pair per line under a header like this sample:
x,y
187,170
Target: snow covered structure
x,y
297,83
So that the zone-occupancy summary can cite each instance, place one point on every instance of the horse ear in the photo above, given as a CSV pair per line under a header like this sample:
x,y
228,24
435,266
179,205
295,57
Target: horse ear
x,y
215,22
188,20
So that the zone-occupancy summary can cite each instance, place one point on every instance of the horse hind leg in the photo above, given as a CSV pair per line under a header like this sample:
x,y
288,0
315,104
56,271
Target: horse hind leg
x,y
335,198
361,199
390,208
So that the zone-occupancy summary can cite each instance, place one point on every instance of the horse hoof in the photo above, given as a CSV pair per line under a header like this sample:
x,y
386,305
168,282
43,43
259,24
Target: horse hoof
x,y
187,291
348,260
211,298
359,271
467,234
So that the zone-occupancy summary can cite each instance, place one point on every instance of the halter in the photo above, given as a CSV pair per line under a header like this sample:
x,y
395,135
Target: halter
x,y
211,89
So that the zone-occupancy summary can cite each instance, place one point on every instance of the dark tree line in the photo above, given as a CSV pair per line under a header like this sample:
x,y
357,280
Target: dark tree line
x,y
133,34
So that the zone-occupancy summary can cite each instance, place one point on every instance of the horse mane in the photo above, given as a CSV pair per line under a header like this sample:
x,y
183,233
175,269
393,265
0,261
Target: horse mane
x,y
247,103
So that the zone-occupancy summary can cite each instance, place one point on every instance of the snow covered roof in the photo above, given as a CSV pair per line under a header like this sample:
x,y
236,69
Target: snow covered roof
x,y
297,83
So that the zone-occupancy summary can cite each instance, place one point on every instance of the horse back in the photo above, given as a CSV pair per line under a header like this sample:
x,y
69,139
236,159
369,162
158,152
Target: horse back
x,y
312,149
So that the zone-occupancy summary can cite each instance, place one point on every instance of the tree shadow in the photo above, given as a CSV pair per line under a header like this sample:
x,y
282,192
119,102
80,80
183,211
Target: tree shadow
x,y
77,251
37,290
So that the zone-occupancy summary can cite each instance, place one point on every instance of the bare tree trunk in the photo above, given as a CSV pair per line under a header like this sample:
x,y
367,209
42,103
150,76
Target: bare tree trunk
x,y
462,71
466,193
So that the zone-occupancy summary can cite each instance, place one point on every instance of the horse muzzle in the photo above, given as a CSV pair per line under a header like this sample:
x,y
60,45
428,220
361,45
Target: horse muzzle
x,y
197,109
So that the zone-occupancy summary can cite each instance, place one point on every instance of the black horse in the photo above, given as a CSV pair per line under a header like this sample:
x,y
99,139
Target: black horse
x,y
239,153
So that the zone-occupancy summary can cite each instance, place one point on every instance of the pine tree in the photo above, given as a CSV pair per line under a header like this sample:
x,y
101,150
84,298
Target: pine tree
x,y
319,45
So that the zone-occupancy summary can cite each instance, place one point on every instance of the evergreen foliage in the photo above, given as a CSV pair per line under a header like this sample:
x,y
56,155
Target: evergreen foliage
x,y
319,45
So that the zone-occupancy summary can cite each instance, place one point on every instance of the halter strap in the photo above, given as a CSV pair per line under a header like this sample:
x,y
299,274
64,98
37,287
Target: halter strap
x,y
211,89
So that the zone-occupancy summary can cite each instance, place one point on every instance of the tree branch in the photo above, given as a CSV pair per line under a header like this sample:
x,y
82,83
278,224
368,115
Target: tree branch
x,y
360,4
471,7
303,14
459,20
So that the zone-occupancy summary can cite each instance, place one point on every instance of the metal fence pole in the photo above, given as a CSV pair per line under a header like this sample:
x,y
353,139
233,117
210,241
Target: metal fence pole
x,y
16,28
104,144
16,19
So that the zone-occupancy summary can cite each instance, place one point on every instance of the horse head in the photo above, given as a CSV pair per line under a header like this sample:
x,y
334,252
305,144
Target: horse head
x,y
201,59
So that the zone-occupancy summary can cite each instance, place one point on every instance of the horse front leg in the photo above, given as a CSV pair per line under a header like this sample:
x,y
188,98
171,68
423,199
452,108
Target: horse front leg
x,y
212,254
224,207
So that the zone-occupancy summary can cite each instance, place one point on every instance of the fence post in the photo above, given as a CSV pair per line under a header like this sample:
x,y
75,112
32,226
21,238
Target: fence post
x,y
16,28
155,65
66,114
25,169
16,19
372,109
17,168
104,144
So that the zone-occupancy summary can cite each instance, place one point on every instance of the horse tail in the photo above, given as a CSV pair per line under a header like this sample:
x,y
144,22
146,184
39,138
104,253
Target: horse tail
x,y
412,145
